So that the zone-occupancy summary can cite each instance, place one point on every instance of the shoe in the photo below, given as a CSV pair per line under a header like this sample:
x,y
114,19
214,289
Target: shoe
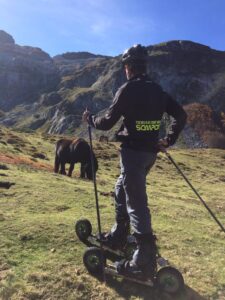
x,y
117,237
126,268
143,263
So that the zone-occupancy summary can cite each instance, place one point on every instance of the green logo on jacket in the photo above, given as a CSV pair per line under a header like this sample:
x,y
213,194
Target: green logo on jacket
x,y
148,125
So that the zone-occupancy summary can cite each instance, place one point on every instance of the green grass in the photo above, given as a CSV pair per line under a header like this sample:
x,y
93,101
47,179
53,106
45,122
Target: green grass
x,y
41,257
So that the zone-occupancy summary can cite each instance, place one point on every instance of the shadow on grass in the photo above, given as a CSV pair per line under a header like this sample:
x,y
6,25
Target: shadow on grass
x,y
128,289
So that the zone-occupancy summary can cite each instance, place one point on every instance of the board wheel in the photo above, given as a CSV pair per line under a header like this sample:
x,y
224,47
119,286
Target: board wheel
x,y
169,280
83,229
94,261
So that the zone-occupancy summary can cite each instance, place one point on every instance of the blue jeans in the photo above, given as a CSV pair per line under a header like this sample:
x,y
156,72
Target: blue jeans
x,y
131,200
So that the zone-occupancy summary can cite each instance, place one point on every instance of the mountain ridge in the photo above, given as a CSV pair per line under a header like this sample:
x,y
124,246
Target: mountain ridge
x,y
49,94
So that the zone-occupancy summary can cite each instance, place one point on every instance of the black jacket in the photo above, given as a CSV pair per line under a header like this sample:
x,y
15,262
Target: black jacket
x,y
141,103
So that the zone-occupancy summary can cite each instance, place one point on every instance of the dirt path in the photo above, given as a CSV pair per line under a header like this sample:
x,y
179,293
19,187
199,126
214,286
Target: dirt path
x,y
22,160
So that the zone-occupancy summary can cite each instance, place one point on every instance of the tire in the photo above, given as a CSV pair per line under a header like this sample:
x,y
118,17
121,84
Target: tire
x,y
93,260
83,229
169,280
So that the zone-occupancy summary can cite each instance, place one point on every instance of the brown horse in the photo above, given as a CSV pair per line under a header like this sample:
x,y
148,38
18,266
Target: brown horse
x,y
74,151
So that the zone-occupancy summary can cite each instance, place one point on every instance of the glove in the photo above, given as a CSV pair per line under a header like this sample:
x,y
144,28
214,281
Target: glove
x,y
86,115
162,145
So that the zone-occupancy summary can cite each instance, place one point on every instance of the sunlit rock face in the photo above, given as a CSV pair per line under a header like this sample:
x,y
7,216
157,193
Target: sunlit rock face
x,y
189,71
25,73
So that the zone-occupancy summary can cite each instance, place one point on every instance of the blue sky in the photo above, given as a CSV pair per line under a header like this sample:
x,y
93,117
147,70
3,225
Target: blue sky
x,y
110,26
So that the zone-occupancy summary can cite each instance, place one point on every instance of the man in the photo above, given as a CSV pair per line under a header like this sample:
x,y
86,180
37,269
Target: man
x,y
141,103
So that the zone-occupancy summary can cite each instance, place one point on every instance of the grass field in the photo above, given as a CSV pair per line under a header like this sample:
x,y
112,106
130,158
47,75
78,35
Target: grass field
x,y
40,255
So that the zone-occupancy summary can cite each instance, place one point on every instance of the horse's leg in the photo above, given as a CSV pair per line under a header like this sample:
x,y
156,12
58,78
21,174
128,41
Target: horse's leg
x,y
88,171
71,169
57,163
63,169
82,170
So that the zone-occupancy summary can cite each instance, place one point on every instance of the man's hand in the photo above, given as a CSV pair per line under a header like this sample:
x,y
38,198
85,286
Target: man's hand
x,y
85,116
162,145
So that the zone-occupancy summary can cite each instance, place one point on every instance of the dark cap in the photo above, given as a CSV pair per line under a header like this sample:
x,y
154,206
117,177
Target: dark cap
x,y
137,54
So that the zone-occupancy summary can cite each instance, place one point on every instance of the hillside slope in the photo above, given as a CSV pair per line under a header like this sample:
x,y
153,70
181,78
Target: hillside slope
x,y
41,257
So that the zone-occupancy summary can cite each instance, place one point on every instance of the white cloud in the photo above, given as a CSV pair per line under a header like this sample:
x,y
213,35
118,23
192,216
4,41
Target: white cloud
x,y
97,3
74,23
99,17
101,26
3,2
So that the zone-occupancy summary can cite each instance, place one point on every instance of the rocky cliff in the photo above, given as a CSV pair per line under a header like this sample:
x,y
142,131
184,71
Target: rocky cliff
x,y
191,72
25,73
50,94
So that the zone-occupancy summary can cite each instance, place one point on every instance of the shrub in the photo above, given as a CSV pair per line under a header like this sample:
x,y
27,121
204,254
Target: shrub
x,y
201,117
214,139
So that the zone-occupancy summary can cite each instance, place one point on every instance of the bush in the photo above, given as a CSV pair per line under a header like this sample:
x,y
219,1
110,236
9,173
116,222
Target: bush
x,y
214,139
201,117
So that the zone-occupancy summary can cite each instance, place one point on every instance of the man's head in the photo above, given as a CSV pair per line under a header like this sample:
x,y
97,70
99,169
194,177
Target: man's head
x,y
134,60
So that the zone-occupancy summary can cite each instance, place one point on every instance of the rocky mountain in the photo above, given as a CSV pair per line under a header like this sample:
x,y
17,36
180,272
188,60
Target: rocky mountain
x,y
25,73
38,92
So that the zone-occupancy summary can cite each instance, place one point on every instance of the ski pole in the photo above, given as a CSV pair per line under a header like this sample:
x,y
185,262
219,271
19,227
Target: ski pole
x,y
96,199
195,191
